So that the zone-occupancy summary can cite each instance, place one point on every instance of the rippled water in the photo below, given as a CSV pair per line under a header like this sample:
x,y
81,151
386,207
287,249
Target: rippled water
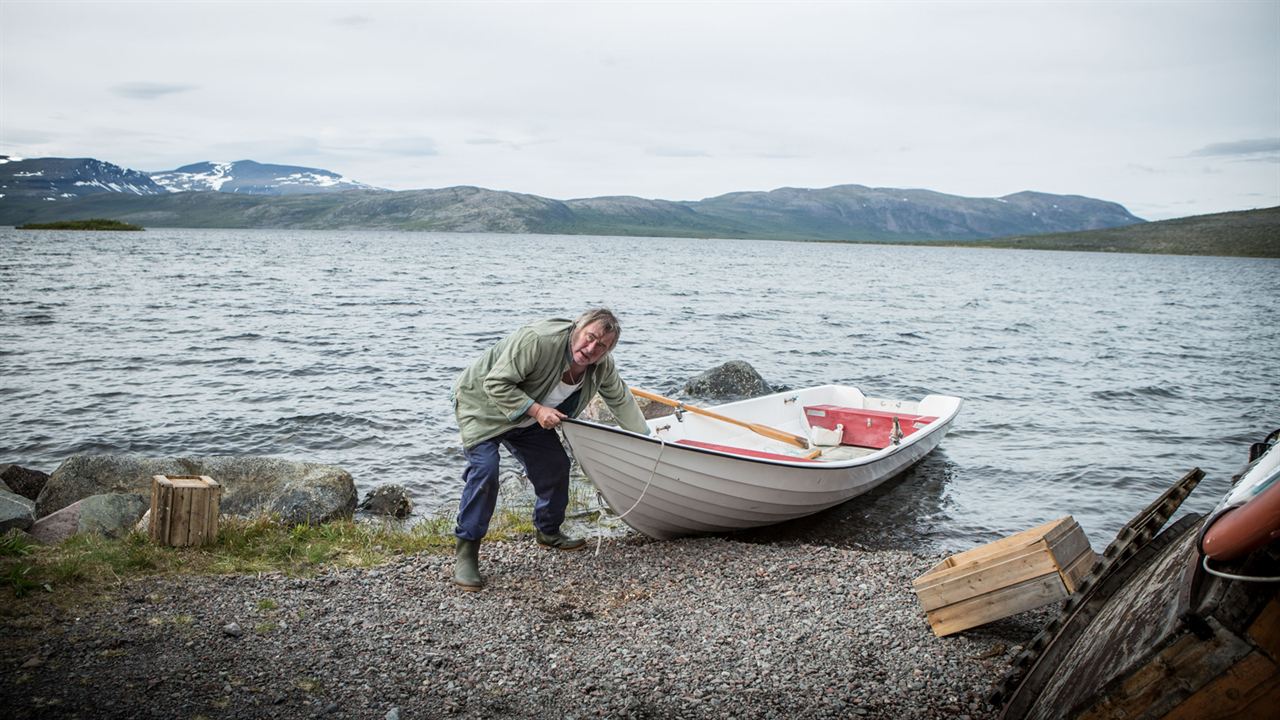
x,y
1091,381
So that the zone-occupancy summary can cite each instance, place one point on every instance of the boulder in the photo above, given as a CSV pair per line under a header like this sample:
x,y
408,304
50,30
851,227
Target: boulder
x,y
298,492
111,514
733,380
15,511
390,499
25,482
598,411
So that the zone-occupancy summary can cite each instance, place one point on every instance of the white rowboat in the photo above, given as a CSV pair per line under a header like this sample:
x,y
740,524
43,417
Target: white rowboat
x,y
696,474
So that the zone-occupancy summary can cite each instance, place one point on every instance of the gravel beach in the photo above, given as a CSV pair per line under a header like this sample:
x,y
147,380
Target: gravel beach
x,y
694,628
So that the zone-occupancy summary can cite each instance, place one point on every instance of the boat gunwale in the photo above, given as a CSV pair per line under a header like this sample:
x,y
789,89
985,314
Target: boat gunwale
x,y
939,424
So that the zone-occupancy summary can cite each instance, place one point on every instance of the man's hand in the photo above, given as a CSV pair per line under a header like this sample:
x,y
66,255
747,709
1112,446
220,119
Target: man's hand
x,y
547,417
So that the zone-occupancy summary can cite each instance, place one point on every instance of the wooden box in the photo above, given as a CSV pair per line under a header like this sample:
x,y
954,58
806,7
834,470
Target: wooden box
x,y
1024,571
184,509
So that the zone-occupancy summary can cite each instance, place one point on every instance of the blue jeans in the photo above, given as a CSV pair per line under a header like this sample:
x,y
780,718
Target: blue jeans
x,y
544,461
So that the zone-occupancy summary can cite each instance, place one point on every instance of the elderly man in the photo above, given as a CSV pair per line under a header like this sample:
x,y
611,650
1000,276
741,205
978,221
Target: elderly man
x,y
515,395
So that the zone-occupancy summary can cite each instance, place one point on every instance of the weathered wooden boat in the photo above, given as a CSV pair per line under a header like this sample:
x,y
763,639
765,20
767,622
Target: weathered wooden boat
x,y
1156,632
739,466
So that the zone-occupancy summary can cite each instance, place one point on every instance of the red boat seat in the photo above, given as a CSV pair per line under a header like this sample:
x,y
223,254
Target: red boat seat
x,y
864,428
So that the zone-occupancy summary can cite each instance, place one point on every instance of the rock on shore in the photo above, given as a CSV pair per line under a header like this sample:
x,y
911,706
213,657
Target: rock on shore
x,y
694,628
298,492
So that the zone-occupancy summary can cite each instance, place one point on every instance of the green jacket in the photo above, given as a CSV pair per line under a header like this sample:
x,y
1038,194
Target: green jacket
x,y
493,395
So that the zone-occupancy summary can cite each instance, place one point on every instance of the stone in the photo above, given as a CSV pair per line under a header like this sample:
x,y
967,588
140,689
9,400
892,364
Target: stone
x,y
23,481
598,411
733,380
109,514
251,485
16,511
391,499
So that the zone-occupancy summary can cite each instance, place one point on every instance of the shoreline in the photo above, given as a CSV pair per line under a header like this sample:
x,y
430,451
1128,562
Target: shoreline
x,y
705,627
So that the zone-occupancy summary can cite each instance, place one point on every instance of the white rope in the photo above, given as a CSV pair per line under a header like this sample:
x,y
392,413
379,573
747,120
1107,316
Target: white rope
x,y
1246,578
657,461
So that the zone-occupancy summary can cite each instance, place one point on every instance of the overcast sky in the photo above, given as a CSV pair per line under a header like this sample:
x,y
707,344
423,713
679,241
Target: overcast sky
x,y
1169,108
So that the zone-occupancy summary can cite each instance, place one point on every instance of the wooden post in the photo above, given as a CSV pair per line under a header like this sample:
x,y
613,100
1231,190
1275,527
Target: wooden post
x,y
184,509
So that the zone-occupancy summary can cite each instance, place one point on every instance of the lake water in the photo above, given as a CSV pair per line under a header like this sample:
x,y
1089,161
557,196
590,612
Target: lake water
x,y
1091,381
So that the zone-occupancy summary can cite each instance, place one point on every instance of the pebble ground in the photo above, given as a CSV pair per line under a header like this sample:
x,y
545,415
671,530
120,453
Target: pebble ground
x,y
694,628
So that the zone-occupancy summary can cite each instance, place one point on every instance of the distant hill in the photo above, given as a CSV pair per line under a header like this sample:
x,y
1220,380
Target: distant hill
x,y
54,180
253,195
1247,233
254,178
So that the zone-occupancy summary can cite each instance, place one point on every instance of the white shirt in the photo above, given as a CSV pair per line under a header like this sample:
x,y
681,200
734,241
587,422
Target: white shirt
x,y
558,394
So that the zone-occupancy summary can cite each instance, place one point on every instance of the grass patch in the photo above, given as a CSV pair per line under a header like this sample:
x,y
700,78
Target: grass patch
x,y
15,544
85,565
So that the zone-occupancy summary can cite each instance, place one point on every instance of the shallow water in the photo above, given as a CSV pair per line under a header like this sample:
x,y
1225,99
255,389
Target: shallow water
x,y
1091,381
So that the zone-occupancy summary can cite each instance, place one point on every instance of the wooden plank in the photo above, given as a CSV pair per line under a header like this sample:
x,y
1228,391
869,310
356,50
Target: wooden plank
x,y
1265,629
164,512
1026,537
155,504
984,579
199,515
215,504
947,575
1062,528
181,511
1248,689
1079,569
1068,546
996,605
1169,677
155,508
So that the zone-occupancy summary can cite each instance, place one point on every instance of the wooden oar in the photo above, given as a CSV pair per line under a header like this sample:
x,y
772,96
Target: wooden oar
x,y
764,430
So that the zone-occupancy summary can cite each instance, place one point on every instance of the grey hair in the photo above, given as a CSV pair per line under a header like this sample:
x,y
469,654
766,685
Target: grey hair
x,y
611,323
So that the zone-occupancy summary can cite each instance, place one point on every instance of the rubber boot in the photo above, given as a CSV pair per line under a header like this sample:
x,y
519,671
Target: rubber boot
x,y
466,565
559,540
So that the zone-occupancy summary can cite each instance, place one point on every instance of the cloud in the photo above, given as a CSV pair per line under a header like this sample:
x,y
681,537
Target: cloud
x,y
353,20
509,144
149,90
411,146
1239,147
677,152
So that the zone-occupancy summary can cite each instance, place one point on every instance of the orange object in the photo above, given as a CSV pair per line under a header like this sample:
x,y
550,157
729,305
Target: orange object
x,y
1241,530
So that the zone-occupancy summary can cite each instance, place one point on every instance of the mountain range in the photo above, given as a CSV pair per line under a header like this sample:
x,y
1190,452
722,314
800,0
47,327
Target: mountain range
x,y
247,194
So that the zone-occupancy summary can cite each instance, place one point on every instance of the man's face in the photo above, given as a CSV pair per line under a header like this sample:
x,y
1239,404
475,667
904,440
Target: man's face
x,y
590,343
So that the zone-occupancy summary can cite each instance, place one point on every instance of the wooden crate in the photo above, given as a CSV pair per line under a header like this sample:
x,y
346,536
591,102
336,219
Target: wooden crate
x,y
1024,571
184,509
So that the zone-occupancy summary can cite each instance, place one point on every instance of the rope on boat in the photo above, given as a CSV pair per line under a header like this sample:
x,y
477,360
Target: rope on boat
x,y
1246,578
658,461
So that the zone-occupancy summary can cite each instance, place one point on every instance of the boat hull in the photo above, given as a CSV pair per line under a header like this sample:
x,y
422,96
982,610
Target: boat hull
x,y
665,489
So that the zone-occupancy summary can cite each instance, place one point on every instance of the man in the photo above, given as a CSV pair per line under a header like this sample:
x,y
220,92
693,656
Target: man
x,y
515,395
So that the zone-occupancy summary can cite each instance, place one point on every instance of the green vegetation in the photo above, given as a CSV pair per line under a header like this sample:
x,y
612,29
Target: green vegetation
x,y
1249,233
87,565
91,224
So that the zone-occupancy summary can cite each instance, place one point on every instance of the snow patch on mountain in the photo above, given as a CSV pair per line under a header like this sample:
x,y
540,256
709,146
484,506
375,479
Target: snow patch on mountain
x,y
253,178
195,178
